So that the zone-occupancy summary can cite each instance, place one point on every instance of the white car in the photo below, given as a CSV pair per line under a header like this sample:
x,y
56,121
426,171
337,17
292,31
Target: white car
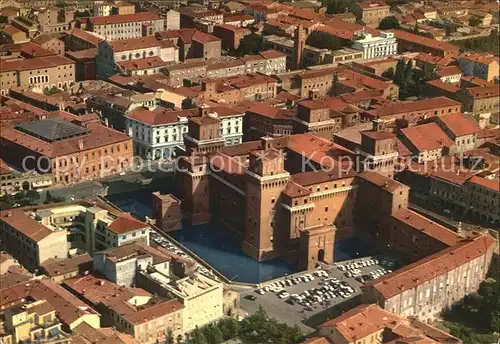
x,y
283,295
261,291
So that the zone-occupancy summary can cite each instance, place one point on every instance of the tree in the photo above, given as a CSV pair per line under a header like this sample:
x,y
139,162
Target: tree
x,y
250,44
389,73
475,21
48,197
213,334
169,337
187,103
338,6
229,328
33,195
323,40
400,69
82,14
52,90
416,28
179,339
388,23
197,337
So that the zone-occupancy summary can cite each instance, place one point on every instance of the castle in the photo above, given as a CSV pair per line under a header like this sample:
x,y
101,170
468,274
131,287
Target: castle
x,y
290,197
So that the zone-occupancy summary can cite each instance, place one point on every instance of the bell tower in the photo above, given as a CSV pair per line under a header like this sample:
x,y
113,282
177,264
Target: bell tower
x,y
266,179
299,42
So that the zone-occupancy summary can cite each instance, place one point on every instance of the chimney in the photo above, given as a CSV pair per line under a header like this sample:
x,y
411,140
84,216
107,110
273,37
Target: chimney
x,y
80,144
378,124
314,94
266,142
203,110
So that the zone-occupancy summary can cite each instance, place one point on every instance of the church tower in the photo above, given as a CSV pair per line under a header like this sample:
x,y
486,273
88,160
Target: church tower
x,y
299,42
266,179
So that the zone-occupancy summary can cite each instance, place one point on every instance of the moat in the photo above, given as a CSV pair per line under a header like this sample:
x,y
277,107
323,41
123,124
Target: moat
x,y
221,250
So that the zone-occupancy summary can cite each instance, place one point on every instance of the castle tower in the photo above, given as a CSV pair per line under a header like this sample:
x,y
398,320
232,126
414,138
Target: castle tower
x,y
194,175
378,151
299,42
266,179
204,133
166,210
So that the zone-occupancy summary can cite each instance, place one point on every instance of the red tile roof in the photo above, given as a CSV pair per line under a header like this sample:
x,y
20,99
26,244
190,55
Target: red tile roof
x,y
35,63
425,41
98,136
85,36
126,224
487,183
428,227
448,71
124,18
19,220
362,321
139,43
145,63
426,137
158,116
430,267
484,91
385,183
459,124
372,4
418,105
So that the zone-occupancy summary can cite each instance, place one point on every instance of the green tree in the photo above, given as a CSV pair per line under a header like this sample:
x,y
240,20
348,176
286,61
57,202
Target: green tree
x,y
338,6
475,21
389,73
32,195
388,23
6,202
213,334
82,14
323,40
229,327
169,336
48,197
250,44
179,339
197,337
52,90
400,69
187,103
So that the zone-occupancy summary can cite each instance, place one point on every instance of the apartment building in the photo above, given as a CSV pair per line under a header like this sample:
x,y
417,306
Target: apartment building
x,y
126,26
413,111
143,56
423,289
237,88
411,42
30,242
368,323
480,99
427,142
43,295
50,42
57,229
157,132
376,47
34,321
201,294
482,66
193,43
70,152
40,73
113,104
121,265
133,311
77,39
370,13
230,35
59,269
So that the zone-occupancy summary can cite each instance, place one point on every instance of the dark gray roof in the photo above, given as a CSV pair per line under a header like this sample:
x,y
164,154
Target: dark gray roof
x,y
52,129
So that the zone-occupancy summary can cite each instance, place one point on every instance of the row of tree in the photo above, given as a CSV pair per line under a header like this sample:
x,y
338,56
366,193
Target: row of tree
x,y
26,198
256,328
411,81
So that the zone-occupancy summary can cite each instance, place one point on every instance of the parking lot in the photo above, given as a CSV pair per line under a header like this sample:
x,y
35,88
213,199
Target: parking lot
x,y
157,239
303,297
